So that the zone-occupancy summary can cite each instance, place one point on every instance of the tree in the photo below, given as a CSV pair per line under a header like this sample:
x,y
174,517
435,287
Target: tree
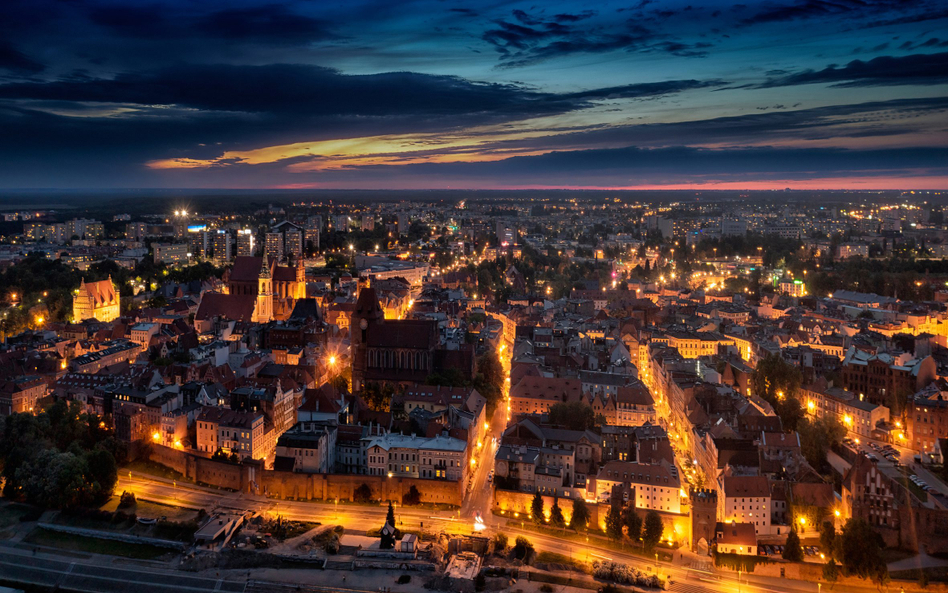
x,y
653,530
859,549
830,571
827,537
536,509
363,493
614,521
103,474
573,415
500,542
792,551
775,378
556,515
580,516
412,497
522,548
817,435
55,480
633,523
390,515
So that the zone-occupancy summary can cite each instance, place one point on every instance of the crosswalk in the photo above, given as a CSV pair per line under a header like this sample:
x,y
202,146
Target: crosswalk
x,y
690,588
702,565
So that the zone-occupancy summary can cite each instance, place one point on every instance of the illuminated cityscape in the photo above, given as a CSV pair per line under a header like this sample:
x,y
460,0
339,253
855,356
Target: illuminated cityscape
x,y
473,297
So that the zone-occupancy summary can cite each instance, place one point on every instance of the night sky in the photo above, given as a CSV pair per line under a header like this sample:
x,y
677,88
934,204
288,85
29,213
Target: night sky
x,y
408,94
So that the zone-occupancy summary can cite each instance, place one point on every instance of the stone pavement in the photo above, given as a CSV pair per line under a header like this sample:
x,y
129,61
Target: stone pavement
x,y
922,560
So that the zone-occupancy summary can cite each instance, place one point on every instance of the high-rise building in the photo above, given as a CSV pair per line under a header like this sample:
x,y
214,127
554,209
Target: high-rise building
x,y
274,246
293,242
84,228
170,253
198,243
311,237
245,243
368,222
223,246
404,223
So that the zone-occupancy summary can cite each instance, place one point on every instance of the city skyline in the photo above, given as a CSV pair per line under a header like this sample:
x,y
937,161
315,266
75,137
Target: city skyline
x,y
422,95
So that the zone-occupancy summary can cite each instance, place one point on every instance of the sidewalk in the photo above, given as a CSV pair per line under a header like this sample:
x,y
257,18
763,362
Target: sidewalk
x,y
923,560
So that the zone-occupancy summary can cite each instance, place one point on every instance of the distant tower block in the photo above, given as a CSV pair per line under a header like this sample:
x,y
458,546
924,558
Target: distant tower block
x,y
704,517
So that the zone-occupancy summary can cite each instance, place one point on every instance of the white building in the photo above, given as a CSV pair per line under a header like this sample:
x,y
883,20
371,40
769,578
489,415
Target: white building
x,y
746,499
655,486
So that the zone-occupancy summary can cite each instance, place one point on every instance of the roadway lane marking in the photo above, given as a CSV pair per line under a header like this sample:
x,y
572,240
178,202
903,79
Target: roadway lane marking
x,y
92,577
97,568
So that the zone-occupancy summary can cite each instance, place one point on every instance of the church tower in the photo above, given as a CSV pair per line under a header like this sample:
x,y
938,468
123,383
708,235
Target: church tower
x,y
263,312
368,313
300,291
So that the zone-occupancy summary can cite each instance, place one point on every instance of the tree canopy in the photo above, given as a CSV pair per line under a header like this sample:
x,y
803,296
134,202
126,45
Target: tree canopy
x,y
572,415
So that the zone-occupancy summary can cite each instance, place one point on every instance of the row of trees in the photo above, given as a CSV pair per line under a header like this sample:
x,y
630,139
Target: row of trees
x,y
59,458
621,521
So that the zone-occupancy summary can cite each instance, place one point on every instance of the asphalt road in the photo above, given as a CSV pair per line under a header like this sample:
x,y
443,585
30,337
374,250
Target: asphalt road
x,y
81,575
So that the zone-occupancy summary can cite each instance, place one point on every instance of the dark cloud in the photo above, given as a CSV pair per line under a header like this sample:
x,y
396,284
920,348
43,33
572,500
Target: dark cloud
x,y
465,11
532,41
923,69
273,24
525,18
573,18
927,13
298,89
148,21
820,9
16,61
646,89
269,24
928,43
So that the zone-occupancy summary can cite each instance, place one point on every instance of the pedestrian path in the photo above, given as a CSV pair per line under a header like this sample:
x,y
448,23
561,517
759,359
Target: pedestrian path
x,y
703,565
688,588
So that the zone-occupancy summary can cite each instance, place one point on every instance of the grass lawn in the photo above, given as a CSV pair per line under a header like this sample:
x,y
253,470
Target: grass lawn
x,y
895,554
553,558
156,469
935,574
152,510
67,541
918,492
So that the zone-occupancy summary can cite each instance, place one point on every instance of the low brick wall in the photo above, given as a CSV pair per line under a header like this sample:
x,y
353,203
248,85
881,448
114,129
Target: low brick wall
x,y
250,477
327,487
813,572
111,535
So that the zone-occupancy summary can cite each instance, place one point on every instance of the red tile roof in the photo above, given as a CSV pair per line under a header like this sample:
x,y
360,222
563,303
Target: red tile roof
x,y
238,307
746,486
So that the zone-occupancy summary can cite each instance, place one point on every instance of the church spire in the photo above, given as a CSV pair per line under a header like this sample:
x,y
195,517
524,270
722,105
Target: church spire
x,y
265,268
